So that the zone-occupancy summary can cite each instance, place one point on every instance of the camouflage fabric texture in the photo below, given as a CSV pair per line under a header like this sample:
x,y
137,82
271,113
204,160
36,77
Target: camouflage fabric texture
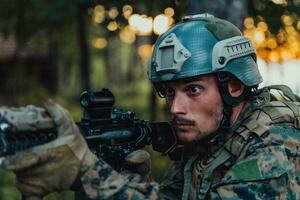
x,y
265,166
50,167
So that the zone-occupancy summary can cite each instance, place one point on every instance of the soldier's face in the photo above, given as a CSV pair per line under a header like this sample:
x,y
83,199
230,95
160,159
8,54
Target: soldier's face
x,y
196,107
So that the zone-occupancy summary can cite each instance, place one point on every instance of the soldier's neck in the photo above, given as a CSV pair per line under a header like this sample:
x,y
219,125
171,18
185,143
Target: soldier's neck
x,y
236,111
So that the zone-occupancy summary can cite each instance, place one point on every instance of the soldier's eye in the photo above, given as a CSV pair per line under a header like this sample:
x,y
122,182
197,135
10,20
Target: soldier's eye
x,y
195,89
169,92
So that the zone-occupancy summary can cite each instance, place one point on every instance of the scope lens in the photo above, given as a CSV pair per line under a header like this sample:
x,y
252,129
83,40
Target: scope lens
x,y
85,101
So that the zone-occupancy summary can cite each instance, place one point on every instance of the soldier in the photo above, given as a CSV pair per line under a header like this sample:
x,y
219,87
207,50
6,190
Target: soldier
x,y
238,142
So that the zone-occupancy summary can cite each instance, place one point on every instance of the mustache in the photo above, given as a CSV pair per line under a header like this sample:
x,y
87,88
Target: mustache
x,y
182,121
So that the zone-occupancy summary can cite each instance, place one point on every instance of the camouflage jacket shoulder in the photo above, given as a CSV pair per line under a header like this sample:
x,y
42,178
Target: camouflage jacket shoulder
x,y
267,168
267,165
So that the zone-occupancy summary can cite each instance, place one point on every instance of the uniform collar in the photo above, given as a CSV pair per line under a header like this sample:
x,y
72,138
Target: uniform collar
x,y
255,101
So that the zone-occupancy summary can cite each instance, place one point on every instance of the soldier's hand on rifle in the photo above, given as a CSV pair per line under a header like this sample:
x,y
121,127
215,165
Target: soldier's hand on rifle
x,y
138,166
52,167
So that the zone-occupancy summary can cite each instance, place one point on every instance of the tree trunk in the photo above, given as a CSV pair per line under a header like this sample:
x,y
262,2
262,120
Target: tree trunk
x,y
16,67
83,46
112,61
54,63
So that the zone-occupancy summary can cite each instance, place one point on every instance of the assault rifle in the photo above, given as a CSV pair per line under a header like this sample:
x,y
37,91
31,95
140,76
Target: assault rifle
x,y
110,133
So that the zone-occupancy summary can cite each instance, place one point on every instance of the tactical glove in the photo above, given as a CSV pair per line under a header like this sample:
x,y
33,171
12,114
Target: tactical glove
x,y
52,167
138,166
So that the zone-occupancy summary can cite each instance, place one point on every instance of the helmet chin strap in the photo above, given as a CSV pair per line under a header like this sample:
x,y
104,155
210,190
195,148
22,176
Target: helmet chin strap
x,y
228,101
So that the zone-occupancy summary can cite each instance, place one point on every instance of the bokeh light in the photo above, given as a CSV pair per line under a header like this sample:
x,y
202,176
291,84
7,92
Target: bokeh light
x,y
99,9
99,14
169,12
145,51
259,37
271,43
112,26
275,47
298,25
282,2
127,11
127,35
274,56
287,20
161,24
113,13
262,26
140,24
249,23
100,43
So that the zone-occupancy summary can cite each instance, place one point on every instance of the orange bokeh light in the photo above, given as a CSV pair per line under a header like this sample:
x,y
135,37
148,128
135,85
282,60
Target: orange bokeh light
x,y
280,47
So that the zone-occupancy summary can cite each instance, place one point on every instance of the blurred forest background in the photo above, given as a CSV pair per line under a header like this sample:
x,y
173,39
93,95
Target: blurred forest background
x,y
60,48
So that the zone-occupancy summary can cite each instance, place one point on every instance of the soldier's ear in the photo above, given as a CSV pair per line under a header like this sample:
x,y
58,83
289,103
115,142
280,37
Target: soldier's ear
x,y
235,87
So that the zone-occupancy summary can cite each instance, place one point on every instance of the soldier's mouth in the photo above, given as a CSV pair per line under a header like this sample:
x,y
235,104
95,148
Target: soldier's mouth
x,y
183,128
181,122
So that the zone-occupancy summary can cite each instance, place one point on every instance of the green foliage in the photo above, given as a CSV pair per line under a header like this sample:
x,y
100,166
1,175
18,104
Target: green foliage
x,y
7,189
98,80
33,16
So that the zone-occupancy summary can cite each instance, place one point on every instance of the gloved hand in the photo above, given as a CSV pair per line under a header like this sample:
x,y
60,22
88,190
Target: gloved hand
x,y
138,166
52,167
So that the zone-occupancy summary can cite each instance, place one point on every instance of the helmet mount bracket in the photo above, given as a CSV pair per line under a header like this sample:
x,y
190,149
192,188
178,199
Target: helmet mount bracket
x,y
171,55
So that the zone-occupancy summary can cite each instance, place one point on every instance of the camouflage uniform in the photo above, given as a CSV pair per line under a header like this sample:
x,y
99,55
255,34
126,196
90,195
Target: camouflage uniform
x,y
257,159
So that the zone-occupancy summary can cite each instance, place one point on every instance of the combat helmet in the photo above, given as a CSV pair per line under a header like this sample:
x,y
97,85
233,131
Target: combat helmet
x,y
203,44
